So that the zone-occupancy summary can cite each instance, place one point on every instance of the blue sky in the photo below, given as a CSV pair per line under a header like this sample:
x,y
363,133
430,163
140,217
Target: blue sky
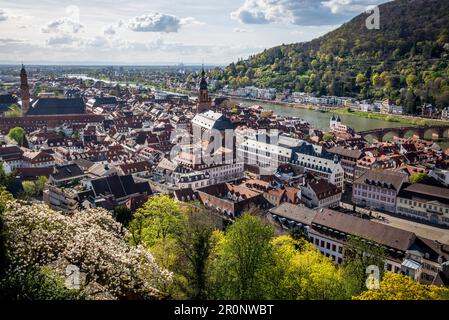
x,y
161,31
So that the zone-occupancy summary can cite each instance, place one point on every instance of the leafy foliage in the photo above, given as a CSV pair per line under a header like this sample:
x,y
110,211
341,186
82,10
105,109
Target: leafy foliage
x,y
123,214
14,111
246,256
359,255
157,219
18,134
398,287
418,177
38,284
196,243
301,272
34,188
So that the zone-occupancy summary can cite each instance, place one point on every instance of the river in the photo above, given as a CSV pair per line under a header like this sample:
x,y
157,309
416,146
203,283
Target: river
x,y
320,120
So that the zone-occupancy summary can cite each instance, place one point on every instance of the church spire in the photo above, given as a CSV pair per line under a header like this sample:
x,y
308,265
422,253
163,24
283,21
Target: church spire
x,y
203,83
24,91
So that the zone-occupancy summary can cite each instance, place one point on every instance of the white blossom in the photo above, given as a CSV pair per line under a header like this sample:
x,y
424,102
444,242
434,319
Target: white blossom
x,y
92,240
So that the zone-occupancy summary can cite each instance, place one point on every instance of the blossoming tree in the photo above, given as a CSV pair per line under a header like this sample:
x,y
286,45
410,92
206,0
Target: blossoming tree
x,y
92,241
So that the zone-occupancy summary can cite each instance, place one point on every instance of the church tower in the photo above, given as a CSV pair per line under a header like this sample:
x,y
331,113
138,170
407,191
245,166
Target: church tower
x,y
204,101
24,91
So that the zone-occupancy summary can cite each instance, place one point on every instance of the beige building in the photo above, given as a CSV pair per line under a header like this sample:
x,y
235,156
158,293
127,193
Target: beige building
x,y
378,189
424,202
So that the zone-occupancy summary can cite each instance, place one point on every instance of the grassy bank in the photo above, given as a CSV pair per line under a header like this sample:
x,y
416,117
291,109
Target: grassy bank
x,y
391,118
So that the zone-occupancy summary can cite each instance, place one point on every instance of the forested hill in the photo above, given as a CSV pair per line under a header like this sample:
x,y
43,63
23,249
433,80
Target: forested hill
x,y
406,60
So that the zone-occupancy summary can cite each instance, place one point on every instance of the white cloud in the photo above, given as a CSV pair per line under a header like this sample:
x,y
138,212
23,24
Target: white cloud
x,y
190,21
300,12
9,41
73,12
160,22
63,25
3,15
112,29
61,40
109,31
239,30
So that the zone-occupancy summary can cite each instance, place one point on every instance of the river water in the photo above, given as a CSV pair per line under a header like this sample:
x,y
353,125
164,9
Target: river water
x,y
320,120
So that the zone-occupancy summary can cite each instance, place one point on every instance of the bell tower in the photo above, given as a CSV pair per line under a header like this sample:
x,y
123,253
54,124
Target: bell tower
x,y
24,91
204,101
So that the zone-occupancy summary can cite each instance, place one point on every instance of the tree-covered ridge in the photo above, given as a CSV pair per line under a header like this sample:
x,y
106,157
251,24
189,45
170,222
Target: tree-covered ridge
x,y
407,60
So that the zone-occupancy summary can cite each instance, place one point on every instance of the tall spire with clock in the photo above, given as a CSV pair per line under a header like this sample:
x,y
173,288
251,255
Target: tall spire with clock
x,y
24,91
204,101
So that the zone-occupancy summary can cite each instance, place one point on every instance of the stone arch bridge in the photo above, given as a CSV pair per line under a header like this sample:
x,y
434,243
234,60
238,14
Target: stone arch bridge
x,y
437,132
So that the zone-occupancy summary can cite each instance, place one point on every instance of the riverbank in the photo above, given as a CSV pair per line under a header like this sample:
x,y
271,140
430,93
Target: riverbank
x,y
403,119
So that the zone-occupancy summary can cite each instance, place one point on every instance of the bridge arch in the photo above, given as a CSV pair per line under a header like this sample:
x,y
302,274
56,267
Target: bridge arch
x,y
371,137
444,133
389,135
411,133
433,133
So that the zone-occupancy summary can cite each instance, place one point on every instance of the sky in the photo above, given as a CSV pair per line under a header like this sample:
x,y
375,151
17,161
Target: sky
x,y
150,32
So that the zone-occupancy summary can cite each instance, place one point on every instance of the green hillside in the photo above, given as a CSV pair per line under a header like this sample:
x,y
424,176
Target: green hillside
x,y
407,60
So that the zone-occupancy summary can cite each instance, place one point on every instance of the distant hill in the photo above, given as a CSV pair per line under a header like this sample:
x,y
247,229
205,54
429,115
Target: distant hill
x,y
407,60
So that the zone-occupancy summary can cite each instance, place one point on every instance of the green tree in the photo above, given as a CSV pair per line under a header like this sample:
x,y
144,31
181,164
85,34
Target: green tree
x,y
418,177
301,272
246,257
18,134
360,79
14,111
5,179
40,185
359,255
124,215
411,80
38,284
33,189
156,220
328,136
195,242
29,189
